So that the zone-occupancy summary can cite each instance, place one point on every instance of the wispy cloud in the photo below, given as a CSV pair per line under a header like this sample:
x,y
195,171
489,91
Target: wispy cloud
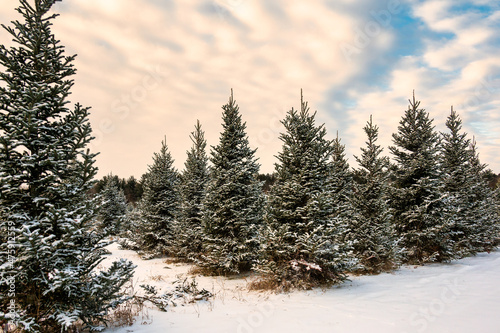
x,y
458,63
150,70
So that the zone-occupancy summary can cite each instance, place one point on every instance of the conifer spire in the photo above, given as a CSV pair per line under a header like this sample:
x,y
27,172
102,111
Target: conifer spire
x,y
233,203
415,197
301,241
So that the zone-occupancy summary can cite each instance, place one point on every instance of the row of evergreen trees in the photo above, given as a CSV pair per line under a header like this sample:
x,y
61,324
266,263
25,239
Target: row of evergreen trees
x,y
321,218
431,204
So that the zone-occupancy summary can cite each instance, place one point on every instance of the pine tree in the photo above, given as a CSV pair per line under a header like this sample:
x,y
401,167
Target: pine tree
x,y
113,208
482,206
370,228
455,155
49,278
233,203
415,195
341,181
192,189
456,172
300,241
159,205
132,190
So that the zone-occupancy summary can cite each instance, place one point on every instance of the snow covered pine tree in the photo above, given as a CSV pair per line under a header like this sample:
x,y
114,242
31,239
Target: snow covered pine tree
x,y
48,264
341,183
159,205
370,228
415,197
483,208
192,188
112,208
301,243
233,203
471,210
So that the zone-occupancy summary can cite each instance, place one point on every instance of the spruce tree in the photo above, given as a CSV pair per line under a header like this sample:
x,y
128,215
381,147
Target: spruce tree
x,y
341,181
482,206
232,209
416,202
113,208
159,205
455,155
369,227
456,172
192,189
301,242
49,278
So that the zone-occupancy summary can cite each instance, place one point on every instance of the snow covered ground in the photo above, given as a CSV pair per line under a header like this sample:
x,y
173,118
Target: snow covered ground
x,y
463,296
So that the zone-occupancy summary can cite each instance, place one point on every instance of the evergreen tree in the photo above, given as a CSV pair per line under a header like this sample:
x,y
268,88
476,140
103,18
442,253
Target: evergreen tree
x,y
341,182
233,203
113,208
456,172
370,228
482,206
268,180
192,188
455,155
159,205
301,240
48,265
130,231
415,196
132,190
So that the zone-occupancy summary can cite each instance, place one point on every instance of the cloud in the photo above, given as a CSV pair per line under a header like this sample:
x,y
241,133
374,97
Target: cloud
x,y
150,70
460,69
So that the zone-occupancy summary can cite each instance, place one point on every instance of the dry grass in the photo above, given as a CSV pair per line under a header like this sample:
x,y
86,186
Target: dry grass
x,y
269,283
196,270
175,261
128,312
156,278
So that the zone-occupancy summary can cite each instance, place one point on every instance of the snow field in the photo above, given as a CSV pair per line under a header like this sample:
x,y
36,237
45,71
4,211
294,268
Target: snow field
x,y
463,296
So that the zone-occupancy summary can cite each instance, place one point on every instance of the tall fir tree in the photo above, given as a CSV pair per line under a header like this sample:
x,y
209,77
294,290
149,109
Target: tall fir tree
x,y
416,200
483,208
455,154
112,208
300,244
48,265
159,205
341,181
458,178
369,227
233,204
192,189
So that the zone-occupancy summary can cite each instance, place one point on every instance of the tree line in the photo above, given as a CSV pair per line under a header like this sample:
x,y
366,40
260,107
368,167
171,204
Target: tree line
x,y
132,188
318,218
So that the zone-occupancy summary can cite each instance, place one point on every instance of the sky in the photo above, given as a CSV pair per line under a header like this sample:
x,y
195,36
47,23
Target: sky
x,y
149,69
